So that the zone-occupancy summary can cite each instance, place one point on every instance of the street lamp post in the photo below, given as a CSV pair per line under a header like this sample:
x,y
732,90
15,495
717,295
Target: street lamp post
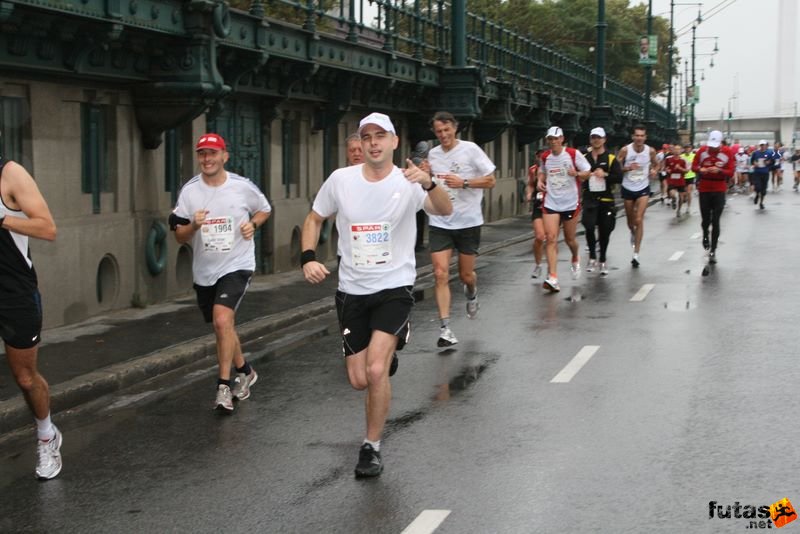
x,y
672,5
648,70
600,54
694,86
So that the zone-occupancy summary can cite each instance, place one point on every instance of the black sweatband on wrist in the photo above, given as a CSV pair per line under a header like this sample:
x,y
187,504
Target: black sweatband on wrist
x,y
307,256
431,188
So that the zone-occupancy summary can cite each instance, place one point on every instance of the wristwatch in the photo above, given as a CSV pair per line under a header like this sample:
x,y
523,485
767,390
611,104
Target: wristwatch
x,y
466,183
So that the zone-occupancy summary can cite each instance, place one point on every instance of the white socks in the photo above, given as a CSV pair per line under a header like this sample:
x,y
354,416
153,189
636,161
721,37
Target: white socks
x,y
44,429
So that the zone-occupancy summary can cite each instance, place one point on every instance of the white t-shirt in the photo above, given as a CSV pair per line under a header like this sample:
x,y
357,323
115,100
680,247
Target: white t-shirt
x,y
218,247
468,161
640,178
377,228
563,191
742,162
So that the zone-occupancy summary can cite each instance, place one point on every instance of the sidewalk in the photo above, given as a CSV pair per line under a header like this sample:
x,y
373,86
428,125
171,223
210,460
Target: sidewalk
x,y
107,353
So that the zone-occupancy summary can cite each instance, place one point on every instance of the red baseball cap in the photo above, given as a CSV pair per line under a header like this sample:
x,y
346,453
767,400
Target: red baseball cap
x,y
210,140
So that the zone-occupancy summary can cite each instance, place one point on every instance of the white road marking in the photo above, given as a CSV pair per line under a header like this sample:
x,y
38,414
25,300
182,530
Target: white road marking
x,y
575,364
426,522
642,293
695,236
676,256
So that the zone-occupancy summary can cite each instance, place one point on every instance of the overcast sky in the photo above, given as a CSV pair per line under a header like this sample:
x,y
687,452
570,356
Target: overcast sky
x,y
749,63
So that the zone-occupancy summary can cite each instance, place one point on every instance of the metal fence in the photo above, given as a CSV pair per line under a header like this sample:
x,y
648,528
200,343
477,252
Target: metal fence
x,y
421,29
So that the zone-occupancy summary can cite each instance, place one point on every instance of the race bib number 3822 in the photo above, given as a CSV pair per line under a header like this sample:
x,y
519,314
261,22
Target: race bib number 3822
x,y
371,244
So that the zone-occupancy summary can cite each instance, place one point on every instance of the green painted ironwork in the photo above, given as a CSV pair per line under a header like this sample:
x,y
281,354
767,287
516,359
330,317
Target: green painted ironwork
x,y
183,57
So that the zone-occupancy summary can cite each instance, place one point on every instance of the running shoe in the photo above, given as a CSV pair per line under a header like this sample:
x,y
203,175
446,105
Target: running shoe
x,y
242,383
603,269
472,302
706,246
49,452
446,337
537,271
755,199
369,462
712,257
761,206
393,365
224,402
591,266
575,269
635,261
551,284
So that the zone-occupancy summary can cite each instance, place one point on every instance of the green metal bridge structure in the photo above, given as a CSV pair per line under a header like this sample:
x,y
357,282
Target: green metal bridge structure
x,y
183,58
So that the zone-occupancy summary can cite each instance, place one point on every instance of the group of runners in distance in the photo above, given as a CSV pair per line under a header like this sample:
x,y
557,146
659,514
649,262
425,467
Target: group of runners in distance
x,y
376,206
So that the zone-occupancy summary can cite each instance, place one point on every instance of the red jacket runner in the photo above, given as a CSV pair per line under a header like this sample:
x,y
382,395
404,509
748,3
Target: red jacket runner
x,y
723,159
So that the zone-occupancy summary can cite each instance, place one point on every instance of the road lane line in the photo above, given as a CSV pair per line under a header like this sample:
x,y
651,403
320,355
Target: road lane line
x,y
575,364
676,256
695,236
642,293
426,522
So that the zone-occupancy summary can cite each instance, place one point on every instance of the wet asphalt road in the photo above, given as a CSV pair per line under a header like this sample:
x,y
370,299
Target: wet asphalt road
x,y
689,396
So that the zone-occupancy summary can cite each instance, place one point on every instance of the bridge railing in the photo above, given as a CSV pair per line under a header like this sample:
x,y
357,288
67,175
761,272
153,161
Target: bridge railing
x,y
421,29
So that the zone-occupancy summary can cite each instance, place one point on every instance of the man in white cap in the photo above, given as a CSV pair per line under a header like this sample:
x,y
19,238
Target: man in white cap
x,y
375,205
639,165
598,200
761,160
714,165
218,212
464,171
561,172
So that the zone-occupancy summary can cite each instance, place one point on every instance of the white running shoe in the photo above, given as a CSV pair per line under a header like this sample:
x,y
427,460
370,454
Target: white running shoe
x,y
591,266
575,269
224,402
49,452
242,383
537,271
472,302
603,269
635,261
446,337
551,284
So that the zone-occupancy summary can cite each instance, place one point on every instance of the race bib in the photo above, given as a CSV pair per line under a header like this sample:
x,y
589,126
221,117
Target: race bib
x,y
371,244
760,162
217,234
557,178
596,184
676,176
636,175
450,192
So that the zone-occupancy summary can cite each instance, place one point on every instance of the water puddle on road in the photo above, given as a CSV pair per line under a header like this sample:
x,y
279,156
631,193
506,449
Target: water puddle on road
x,y
467,376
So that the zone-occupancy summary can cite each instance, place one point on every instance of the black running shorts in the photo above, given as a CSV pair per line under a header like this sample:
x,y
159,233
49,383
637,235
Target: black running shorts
x,y
21,321
387,310
465,240
627,194
228,291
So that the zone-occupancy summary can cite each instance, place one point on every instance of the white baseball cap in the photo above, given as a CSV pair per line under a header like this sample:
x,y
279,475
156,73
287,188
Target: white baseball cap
x,y
555,131
762,142
378,119
714,139
598,131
